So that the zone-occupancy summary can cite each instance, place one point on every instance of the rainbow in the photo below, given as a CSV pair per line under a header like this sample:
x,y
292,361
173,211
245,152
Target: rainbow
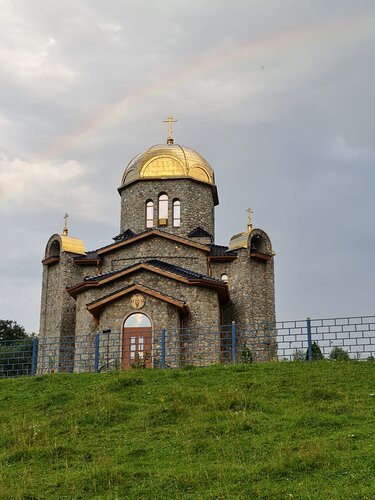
x,y
257,51
316,33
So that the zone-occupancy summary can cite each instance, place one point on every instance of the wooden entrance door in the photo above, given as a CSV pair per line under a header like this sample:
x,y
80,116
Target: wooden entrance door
x,y
137,342
137,347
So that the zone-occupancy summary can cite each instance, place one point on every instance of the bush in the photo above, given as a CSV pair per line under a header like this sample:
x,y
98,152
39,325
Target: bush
x,y
316,352
339,354
246,355
299,355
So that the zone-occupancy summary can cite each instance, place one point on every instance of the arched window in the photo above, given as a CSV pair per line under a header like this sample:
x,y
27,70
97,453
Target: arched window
x,y
176,213
224,277
54,249
163,210
137,320
150,214
257,244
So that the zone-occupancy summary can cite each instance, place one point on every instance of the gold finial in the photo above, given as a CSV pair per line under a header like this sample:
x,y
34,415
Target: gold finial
x,y
249,219
65,230
170,119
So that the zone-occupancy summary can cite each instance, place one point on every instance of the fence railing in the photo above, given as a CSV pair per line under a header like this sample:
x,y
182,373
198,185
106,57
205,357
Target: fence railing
x,y
175,348
354,335
18,357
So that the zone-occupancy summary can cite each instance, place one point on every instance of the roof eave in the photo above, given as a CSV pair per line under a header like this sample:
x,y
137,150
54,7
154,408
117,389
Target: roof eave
x,y
212,186
95,308
222,258
148,234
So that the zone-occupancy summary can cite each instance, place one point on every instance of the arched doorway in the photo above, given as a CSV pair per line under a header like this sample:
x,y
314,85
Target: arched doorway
x,y
137,342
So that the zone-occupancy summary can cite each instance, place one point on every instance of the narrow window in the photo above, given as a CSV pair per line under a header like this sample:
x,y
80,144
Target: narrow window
x,y
163,210
149,214
176,213
54,249
257,244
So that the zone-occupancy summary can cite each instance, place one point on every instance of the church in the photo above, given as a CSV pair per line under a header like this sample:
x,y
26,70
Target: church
x,y
162,292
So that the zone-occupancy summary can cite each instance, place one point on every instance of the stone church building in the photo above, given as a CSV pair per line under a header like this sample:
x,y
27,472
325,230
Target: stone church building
x,y
162,274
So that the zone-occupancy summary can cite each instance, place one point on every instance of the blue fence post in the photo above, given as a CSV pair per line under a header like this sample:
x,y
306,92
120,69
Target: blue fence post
x,y
96,365
163,347
34,351
233,342
309,340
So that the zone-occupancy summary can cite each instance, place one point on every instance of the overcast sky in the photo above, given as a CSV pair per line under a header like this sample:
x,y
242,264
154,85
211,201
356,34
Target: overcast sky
x,y
277,95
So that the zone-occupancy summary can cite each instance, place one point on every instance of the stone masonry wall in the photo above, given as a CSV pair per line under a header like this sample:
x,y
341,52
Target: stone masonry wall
x,y
197,205
219,267
155,247
160,313
57,323
203,304
251,285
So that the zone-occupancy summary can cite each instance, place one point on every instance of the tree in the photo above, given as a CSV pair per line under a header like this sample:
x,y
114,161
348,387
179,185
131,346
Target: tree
x,y
11,330
316,352
339,354
15,349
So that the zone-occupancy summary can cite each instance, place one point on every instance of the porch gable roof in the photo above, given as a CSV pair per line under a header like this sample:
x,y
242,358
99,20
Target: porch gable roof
x,y
97,305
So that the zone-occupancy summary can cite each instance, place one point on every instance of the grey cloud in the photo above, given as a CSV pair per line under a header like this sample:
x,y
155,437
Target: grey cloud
x,y
288,128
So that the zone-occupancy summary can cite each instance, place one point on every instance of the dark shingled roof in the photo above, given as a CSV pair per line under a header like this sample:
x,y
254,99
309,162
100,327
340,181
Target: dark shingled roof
x,y
150,230
198,232
125,235
163,266
180,271
88,255
126,288
221,251
216,250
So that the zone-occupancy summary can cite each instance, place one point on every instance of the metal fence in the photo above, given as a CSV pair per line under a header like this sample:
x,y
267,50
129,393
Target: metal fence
x,y
354,335
175,348
18,357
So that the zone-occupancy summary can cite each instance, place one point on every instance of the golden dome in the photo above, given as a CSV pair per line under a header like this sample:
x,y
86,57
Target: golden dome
x,y
165,161
73,245
59,243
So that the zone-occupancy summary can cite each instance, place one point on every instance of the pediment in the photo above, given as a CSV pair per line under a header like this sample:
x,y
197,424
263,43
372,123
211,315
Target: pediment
x,y
156,267
152,234
96,306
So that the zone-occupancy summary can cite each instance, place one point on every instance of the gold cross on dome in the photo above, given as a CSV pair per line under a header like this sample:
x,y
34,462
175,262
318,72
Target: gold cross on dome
x,y
65,231
170,119
249,219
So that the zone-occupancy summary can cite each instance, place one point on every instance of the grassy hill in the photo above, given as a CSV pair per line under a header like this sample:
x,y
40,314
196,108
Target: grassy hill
x,y
278,430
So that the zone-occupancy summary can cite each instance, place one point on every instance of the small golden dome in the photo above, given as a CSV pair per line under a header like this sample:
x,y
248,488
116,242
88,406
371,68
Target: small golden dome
x,y
72,245
59,243
165,161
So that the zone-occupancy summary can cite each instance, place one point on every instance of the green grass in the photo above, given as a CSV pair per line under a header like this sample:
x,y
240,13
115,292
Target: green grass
x,y
278,430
